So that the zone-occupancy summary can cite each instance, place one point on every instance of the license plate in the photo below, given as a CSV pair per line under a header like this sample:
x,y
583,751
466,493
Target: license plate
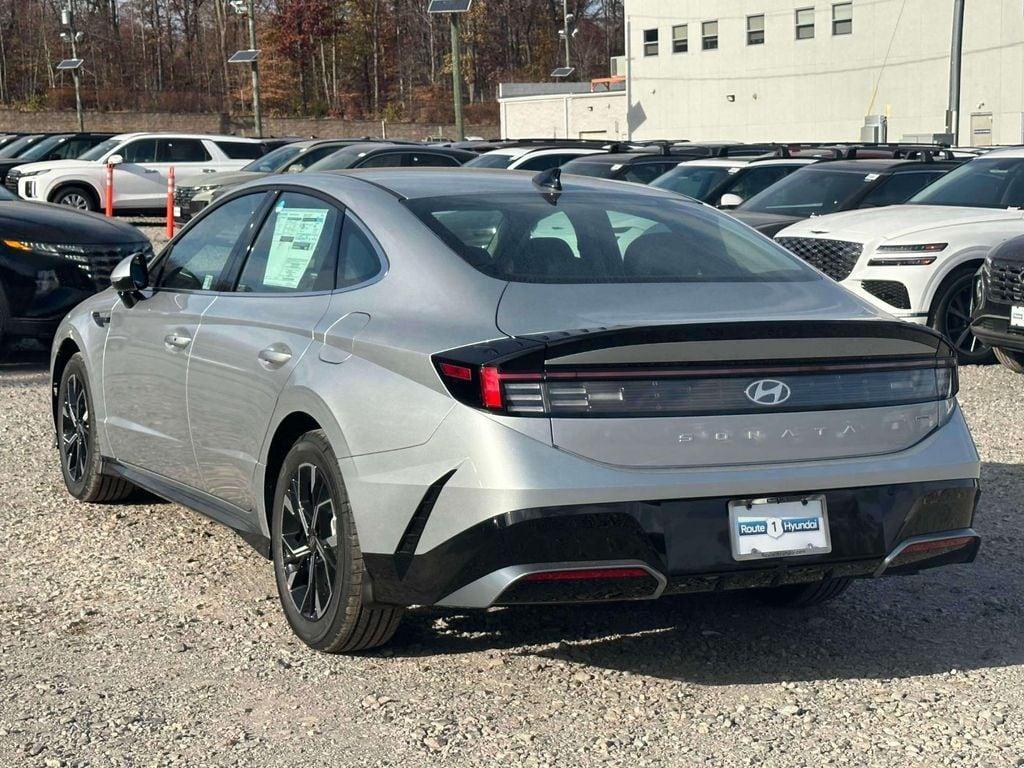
x,y
789,527
1017,317
177,211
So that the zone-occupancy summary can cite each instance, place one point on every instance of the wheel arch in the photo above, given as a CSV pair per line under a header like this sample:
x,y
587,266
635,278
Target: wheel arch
x,y
88,186
972,257
68,348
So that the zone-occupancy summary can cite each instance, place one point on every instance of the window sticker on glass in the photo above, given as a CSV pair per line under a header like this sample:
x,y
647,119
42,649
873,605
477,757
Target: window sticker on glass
x,y
872,176
733,170
207,282
297,231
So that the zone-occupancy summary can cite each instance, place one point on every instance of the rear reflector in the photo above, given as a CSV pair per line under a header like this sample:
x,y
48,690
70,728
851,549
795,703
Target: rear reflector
x,y
588,574
460,372
940,545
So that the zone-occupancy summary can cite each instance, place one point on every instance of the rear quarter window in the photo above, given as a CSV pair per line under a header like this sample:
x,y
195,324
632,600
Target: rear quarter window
x,y
241,150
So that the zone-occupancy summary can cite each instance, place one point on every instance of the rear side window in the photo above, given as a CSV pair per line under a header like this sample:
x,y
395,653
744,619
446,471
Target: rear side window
x,y
200,255
241,150
181,151
544,162
383,160
295,250
596,237
359,259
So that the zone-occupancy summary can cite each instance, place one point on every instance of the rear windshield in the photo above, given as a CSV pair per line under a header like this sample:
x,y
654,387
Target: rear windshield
x,y
982,183
491,160
809,192
595,237
697,181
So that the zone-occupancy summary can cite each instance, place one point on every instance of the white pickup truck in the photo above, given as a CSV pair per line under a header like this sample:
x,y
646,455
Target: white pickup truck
x,y
142,163
918,261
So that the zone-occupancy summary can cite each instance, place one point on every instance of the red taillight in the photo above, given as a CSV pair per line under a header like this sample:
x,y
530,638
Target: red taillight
x,y
939,545
490,387
460,372
587,574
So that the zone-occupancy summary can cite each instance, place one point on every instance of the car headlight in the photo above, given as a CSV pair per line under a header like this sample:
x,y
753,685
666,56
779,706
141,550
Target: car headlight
x,y
904,255
26,174
70,252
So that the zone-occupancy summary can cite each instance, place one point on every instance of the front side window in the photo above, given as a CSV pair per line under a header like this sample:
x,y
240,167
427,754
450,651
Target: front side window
x,y
696,181
544,162
750,181
981,183
755,30
709,35
899,187
198,258
383,160
645,173
181,151
598,237
273,161
295,251
805,24
842,19
139,151
650,42
680,38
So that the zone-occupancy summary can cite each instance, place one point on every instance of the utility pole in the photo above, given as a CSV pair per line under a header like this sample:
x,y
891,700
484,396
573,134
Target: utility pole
x,y
566,18
460,133
72,35
955,64
257,116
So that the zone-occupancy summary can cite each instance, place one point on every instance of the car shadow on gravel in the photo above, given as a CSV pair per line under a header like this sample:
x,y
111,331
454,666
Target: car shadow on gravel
x,y
961,617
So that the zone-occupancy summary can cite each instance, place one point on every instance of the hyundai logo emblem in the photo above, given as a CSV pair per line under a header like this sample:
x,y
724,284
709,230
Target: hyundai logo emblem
x,y
768,392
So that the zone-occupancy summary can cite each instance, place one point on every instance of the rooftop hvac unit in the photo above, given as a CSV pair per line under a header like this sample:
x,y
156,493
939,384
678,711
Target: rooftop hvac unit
x,y
875,130
617,66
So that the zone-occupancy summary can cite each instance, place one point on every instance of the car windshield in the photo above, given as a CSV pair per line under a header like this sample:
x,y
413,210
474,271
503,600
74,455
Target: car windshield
x,y
340,160
988,182
16,147
101,149
598,237
809,192
274,161
491,160
587,168
696,181
42,148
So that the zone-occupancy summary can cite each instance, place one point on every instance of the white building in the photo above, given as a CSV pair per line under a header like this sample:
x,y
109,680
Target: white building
x,y
815,69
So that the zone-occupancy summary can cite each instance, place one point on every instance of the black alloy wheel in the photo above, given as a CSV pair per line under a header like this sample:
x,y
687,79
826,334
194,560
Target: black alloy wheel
x,y
75,429
952,316
309,534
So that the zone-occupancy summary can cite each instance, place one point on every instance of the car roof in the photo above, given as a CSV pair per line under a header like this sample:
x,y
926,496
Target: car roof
x,y
171,135
1006,152
412,183
879,165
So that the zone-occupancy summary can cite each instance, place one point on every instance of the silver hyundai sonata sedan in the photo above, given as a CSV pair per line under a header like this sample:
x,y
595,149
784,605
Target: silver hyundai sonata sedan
x,y
476,388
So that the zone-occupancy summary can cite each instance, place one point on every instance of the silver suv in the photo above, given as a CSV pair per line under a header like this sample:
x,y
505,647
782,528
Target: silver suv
x,y
472,388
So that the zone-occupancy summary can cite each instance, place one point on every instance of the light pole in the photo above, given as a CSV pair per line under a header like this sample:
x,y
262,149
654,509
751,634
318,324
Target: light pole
x,y
453,8
955,62
568,30
73,36
248,8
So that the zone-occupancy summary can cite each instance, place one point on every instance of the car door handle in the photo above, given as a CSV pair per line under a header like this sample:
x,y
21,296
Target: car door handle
x,y
150,170
177,340
275,356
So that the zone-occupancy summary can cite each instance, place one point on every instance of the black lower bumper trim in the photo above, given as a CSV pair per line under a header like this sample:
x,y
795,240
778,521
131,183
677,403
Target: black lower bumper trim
x,y
686,540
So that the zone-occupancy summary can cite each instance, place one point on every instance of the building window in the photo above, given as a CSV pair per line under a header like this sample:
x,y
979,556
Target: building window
x,y
680,39
842,19
650,42
709,35
755,30
805,24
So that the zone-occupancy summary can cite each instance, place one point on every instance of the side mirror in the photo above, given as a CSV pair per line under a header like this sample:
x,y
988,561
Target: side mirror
x,y
296,168
129,277
729,201
115,160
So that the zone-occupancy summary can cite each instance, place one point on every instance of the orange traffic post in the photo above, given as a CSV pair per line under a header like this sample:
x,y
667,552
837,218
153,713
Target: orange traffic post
x,y
109,202
170,203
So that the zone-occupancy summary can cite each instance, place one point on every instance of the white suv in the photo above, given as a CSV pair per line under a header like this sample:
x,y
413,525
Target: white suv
x,y
143,162
918,260
531,158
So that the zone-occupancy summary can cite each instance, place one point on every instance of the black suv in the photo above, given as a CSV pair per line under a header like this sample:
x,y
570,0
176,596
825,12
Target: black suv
x,y
843,185
57,146
998,318
643,163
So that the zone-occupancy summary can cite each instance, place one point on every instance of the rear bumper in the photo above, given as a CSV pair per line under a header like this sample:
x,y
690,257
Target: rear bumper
x,y
682,545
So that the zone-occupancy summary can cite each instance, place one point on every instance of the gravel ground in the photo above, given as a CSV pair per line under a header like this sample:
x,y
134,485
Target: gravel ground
x,y
144,635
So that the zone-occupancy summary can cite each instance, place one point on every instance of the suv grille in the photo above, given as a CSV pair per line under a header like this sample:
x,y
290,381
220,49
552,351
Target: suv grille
x,y
892,292
98,261
836,258
1006,281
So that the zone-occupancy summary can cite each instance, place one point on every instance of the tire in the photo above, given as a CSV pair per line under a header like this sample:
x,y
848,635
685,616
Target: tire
x,y
951,315
77,197
1012,360
804,595
80,462
331,616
